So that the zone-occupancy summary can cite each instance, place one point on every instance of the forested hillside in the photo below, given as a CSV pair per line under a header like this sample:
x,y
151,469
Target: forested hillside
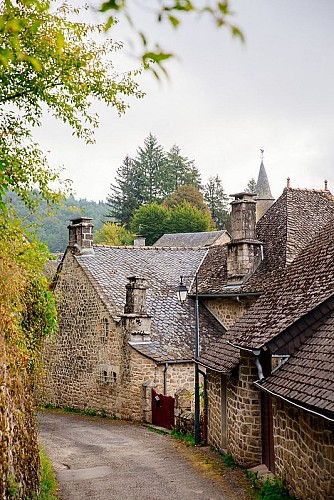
x,y
52,229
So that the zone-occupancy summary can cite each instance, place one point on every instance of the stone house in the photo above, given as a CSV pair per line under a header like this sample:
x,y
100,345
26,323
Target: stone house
x,y
122,330
270,377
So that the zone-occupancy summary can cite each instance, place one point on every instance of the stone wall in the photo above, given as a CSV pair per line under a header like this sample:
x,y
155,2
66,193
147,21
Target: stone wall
x,y
304,451
19,455
228,310
215,409
234,413
244,414
90,364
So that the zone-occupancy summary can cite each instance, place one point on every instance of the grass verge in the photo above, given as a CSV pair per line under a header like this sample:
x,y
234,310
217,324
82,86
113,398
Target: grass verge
x,y
48,484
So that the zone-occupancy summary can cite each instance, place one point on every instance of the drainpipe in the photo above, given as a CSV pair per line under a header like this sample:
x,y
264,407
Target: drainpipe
x,y
205,408
256,353
165,379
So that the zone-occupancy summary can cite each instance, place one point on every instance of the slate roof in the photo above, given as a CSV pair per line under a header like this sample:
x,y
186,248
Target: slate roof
x,y
286,228
173,324
304,284
291,291
202,239
308,376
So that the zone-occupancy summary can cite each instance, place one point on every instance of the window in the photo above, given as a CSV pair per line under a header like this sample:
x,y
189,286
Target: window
x,y
104,331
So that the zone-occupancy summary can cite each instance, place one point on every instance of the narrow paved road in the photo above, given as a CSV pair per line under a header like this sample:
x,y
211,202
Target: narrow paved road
x,y
107,460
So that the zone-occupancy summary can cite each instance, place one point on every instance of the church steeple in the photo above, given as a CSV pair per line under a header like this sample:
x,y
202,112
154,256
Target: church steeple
x,y
264,198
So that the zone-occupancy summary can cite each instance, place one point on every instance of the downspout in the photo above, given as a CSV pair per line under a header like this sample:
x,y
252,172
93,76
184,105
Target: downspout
x,y
256,353
165,379
205,407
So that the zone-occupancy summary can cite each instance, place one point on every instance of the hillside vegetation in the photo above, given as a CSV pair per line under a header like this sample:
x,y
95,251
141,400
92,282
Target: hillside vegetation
x,y
52,229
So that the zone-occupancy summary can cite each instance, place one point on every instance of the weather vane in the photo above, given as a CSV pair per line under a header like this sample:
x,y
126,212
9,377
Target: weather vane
x,y
262,151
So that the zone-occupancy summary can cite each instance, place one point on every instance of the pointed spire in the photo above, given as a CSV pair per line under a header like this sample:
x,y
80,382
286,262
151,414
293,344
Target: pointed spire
x,y
264,198
263,191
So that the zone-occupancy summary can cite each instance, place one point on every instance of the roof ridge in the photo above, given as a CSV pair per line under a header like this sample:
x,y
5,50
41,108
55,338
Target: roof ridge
x,y
139,247
310,190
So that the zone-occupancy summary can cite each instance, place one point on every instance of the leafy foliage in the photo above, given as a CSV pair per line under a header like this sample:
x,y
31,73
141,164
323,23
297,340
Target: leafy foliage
x,y
171,12
66,68
153,220
186,218
150,221
189,194
148,178
113,234
49,62
274,489
218,202
28,312
51,228
23,166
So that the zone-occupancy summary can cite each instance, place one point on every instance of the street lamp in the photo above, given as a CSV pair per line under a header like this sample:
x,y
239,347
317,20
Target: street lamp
x,y
182,292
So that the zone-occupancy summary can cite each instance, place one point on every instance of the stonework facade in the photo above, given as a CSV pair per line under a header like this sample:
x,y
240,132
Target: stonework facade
x,y
217,430
234,413
91,365
244,414
228,310
304,451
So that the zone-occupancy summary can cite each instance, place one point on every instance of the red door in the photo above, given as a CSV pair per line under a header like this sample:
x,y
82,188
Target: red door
x,y
162,410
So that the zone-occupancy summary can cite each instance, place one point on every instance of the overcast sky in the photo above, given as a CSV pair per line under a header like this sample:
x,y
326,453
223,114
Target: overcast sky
x,y
224,102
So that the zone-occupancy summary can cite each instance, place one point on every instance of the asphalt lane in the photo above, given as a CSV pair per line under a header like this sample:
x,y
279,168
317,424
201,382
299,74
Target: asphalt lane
x,y
101,459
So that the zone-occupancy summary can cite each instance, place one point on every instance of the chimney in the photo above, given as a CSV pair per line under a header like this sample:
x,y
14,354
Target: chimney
x,y
139,241
135,302
136,321
81,236
243,217
244,251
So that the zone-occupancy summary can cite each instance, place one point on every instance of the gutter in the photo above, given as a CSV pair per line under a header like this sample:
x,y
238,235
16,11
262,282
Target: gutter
x,y
256,353
222,295
214,369
301,407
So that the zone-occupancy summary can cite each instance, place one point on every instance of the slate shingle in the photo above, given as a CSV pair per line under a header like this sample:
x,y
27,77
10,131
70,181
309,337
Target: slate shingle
x,y
173,324
201,239
286,229
308,376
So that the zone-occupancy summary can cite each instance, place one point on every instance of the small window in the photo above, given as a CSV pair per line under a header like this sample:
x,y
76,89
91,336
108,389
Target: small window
x,y
104,329
107,375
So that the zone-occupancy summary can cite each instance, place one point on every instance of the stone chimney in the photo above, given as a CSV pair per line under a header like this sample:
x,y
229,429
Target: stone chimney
x,y
139,241
81,236
244,250
136,321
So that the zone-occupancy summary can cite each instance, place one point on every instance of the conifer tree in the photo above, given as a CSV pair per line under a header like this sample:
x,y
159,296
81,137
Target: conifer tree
x,y
150,167
181,170
126,193
218,202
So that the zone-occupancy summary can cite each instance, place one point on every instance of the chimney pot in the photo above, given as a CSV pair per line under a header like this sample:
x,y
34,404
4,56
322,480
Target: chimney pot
x,y
139,241
81,235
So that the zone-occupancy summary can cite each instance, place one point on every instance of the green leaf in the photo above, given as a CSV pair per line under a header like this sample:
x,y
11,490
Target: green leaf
x,y
112,5
174,21
157,57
